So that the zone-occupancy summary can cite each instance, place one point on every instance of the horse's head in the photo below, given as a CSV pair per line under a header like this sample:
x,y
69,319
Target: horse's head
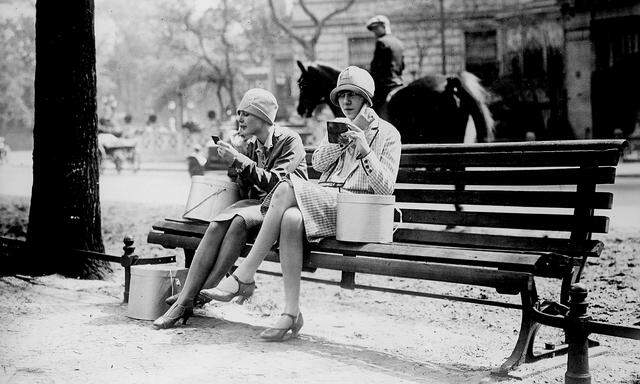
x,y
315,84
310,95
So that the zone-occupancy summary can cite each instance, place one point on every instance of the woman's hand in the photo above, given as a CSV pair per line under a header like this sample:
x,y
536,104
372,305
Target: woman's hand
x,y
227,152
356,136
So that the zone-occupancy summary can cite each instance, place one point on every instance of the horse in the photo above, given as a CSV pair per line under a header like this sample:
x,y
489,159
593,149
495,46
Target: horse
x,y
431,109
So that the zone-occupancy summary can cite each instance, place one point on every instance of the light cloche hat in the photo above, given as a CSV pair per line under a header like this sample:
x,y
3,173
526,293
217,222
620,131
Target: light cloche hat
x,y
260,103
354,79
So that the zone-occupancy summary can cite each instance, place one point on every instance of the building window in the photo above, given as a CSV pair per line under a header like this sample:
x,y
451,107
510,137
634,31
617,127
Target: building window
x,y
481,55
616,40
361,51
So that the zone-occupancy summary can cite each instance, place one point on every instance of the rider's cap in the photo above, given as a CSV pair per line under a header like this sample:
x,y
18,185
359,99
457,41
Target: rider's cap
x,y
378,19
260,103
354,79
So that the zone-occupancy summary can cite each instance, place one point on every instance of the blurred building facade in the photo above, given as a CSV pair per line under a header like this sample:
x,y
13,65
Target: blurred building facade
x,y
544,59
603,65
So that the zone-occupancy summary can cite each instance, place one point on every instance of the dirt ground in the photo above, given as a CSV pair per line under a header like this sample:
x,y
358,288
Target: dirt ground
x,y
54,329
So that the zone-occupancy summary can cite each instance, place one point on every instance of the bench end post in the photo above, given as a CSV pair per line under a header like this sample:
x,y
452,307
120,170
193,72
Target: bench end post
x,y
126,261
348,280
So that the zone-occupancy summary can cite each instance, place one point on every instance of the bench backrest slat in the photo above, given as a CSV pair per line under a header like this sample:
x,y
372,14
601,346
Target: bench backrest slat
x,y
553,199
556,176
512,159
489,241
558,145
529,221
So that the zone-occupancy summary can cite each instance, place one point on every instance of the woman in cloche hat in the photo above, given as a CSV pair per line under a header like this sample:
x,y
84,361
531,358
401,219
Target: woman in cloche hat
x,y
272,153
364,161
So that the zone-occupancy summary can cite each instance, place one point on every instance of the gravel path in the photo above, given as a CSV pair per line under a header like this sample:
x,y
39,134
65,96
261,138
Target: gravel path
x,y
64,330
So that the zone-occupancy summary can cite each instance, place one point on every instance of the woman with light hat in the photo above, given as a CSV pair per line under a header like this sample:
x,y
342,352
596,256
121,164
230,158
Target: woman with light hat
x,y
365,161
273,152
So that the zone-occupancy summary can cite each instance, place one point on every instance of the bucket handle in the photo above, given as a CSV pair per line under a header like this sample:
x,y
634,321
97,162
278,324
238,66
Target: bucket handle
x,y
203,200
397,225
174,281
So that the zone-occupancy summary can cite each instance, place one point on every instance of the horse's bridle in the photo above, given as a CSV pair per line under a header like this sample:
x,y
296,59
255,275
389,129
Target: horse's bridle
x,y
309,102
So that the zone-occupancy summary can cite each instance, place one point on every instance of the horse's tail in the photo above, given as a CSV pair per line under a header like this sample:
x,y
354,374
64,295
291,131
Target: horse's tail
x,y
471,84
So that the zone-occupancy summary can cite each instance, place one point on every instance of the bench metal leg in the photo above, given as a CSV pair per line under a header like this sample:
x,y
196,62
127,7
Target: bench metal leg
x,y
188,257
523,351
524,345
348,280
570,278
528,329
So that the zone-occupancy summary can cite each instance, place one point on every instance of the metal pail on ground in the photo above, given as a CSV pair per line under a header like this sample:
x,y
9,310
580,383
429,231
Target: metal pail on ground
x,y
208,196
150,285
365,218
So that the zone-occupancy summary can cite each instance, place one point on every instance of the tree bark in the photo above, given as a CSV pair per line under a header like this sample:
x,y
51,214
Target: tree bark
x,y
65,200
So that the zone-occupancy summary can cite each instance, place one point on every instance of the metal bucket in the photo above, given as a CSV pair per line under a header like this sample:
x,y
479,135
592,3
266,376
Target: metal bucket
x,y
150,286
365,218
209,196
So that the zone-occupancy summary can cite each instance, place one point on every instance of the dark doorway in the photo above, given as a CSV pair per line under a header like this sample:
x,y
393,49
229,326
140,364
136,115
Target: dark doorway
x,y
615,88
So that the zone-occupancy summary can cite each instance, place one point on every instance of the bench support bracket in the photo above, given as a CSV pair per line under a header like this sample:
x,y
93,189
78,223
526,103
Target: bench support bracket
x,y
528,329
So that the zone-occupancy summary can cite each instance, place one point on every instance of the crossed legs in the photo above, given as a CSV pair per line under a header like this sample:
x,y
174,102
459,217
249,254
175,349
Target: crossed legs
x,y
282,199
283,219
217,252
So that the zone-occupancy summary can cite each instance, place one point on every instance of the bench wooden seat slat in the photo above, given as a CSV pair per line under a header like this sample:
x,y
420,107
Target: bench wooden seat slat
x,y
513,159
551,199
481,276
173,240
590,248
182,227
488,277
531,221
556,176
524,262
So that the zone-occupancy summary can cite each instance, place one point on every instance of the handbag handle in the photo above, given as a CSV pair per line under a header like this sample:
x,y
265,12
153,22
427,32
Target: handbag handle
x,y
397,225
203,200
174,281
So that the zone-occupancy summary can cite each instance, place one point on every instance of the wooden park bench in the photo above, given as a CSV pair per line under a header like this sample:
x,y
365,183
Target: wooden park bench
x,y
524,210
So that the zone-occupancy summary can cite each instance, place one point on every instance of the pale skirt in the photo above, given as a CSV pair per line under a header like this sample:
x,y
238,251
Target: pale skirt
x,y
317,204
248,209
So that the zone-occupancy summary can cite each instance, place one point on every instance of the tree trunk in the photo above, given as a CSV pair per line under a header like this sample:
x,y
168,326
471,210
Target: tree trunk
x,y
65,200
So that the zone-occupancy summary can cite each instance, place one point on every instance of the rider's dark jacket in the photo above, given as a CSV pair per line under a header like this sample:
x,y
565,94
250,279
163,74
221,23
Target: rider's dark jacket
x,y
388,62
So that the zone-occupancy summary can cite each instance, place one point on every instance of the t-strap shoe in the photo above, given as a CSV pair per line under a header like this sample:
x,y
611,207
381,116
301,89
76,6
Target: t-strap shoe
x,y
198,301
173,315
244,291
278,334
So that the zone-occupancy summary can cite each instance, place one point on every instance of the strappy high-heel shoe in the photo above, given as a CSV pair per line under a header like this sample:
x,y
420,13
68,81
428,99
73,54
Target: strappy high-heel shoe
x,y
198,301
173,314
278,334
244,291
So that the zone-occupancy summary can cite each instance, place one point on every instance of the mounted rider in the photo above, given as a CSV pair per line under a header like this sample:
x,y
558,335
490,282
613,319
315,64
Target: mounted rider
x,y
388,60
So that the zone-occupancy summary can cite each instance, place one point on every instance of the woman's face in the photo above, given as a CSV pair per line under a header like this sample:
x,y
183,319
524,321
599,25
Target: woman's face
x,y
248,124
350,103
